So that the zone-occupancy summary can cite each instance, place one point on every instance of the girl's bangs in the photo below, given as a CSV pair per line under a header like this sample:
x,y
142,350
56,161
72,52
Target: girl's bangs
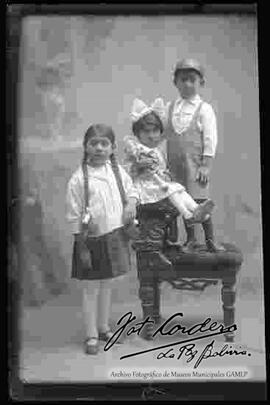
x,y
99,130
150,120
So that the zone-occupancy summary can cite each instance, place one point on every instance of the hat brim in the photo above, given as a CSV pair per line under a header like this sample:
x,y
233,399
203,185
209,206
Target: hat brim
x,y
180,69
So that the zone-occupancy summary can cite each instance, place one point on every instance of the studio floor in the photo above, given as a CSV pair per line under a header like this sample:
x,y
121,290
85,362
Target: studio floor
x,y
52,340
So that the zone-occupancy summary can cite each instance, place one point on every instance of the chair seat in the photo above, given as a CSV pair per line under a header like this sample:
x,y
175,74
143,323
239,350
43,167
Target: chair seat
x,y
231,257
198,264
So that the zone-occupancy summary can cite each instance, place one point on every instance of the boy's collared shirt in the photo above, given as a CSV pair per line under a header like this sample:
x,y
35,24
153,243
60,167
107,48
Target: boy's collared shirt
x,y
182,115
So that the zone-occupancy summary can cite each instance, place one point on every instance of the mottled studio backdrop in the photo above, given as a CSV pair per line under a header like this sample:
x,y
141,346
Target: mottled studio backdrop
x,y
78,70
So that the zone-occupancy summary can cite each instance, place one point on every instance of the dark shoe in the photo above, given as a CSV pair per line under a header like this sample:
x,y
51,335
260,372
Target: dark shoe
x,y
171,244
190,240
91,345
203,211
163,261
105,336
213,246
190,246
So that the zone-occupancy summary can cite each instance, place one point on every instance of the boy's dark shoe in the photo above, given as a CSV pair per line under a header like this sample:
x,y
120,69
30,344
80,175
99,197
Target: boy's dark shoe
x,y
162,261
203,211
214,247
190,246
176,245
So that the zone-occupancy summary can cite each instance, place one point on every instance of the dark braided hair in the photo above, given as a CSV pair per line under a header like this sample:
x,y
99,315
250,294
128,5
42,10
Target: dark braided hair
x,y
115,168
106,131
152,119
97,130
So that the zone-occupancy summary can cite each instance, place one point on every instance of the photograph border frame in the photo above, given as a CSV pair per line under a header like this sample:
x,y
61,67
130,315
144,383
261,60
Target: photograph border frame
x,y
21,390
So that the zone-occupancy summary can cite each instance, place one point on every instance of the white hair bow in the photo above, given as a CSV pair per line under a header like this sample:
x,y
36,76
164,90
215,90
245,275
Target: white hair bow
x,y
140,109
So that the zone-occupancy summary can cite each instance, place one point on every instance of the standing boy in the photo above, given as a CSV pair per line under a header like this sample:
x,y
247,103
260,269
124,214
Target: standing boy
x,y
191,142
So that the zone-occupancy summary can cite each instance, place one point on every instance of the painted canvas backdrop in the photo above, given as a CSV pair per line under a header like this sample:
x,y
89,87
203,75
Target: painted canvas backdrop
x,y
114,59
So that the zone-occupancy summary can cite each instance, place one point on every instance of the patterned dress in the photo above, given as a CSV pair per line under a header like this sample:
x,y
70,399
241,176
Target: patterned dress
x,y
148,183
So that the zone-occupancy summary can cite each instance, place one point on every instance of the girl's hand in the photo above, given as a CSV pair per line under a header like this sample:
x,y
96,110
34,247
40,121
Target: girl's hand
x,y
79,237
202,175
84,252
129,213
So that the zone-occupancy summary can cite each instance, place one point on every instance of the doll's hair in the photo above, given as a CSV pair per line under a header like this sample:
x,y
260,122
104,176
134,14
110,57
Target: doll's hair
x,y
150,119
106,132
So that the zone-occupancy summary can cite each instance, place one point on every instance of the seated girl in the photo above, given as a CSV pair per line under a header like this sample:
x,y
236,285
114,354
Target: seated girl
x,y
147,165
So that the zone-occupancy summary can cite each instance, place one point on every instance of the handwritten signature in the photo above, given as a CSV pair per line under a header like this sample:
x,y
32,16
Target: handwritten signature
x,y
187,349
190,352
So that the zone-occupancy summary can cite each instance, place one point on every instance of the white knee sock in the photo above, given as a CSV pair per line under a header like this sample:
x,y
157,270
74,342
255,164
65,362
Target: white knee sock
x,y
104,305
90,295
184,203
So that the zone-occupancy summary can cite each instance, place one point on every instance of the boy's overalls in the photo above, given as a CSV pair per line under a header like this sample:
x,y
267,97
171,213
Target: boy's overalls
x,y
184,155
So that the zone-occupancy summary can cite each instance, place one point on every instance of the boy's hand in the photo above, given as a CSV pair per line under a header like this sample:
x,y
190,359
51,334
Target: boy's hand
x,y
202,175
203,172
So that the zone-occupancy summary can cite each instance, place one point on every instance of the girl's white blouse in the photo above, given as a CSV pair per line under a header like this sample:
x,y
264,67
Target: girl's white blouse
x,y
105,204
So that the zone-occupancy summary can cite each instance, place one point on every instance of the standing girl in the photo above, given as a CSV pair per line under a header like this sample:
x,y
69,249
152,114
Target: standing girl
x,y
97,217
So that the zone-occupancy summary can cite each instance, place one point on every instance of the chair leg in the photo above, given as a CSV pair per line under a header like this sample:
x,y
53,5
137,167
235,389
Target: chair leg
x,y
228,294
172,231
156,310
146,294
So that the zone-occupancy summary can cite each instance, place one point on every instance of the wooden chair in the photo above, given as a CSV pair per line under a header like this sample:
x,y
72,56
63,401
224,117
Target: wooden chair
x,y
185,271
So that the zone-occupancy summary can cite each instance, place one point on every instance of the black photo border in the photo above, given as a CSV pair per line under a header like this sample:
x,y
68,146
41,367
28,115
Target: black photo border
x,y
184,391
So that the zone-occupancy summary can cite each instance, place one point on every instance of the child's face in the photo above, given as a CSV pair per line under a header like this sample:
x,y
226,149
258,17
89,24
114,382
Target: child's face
x,y
98,149
188,83
150,136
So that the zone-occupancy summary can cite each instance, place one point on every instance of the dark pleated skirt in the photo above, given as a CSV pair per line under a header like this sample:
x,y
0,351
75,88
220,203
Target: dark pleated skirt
x,y
110,257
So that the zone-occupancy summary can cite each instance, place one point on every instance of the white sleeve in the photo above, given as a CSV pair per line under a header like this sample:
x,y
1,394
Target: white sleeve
x,y
74,203
165,111
166,114
209,128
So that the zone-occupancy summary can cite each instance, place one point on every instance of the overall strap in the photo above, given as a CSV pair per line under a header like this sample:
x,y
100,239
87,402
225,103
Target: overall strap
x,y
196,114
193,120
170,113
